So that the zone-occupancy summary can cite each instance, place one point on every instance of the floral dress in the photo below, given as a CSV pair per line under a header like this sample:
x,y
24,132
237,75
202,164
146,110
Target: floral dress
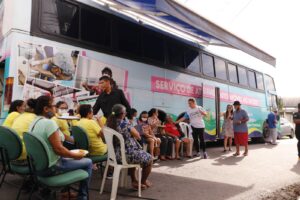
x,y
228,127
133,151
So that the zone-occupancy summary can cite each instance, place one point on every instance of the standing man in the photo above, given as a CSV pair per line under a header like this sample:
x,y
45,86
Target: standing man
x,y
296,117
272,121
109,97
240,128
195,115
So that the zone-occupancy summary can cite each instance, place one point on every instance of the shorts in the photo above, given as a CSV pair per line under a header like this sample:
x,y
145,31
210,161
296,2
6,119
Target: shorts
x,y
241,138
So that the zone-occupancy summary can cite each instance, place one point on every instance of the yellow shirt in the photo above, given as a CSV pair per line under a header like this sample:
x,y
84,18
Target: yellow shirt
x,y
10,119
92,128
63,125
21,125
74,122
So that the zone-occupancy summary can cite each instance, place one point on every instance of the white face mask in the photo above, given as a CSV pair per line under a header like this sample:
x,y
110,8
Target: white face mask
x,y
63,111
144,119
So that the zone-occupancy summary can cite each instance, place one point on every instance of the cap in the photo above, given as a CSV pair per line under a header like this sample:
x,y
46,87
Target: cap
x,y
236,103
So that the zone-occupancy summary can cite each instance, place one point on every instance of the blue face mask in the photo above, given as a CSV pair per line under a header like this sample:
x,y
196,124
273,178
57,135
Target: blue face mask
x,y
50,114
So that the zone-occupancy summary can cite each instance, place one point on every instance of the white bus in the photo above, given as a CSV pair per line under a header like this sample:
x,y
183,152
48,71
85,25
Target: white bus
x,y
59,47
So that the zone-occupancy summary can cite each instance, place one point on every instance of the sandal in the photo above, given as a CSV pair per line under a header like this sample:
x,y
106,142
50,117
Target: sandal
x,y
136,186
224,151
245,154
147,184
236,154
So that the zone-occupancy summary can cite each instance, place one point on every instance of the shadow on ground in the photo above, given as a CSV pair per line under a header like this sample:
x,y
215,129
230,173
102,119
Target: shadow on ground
x,y
164,187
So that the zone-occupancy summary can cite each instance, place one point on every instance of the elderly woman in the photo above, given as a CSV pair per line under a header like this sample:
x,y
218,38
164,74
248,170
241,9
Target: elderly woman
x,y
61,159
133,151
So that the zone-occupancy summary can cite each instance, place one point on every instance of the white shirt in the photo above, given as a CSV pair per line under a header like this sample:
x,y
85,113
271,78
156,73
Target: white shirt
x,y
195,116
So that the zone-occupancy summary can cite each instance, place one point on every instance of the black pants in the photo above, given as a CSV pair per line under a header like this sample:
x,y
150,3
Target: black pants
x,y
198,135
298,138
166,145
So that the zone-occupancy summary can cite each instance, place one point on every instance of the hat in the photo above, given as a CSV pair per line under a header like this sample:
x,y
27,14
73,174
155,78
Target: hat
x,y
236,103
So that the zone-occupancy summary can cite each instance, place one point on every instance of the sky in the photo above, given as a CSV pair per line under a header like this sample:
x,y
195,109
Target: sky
x,y
271,25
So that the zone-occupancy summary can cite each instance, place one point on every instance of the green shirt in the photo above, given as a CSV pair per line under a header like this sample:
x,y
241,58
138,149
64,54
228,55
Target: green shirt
x,y
44,128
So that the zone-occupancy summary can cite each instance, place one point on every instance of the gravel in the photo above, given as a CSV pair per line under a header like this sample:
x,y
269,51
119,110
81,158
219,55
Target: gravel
x,y
291,192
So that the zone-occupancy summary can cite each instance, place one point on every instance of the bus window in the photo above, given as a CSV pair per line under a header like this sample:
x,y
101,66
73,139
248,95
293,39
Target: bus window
x,y
191,58
153,46
269,83
208,65
60,18
95,28
220,67
260,81
232,73
251,78
242,76
129,37
175,52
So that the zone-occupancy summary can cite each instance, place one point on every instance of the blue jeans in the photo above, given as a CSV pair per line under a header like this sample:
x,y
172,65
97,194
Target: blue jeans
x,y
69,164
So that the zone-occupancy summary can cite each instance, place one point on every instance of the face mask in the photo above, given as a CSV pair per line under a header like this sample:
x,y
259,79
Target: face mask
x,y
49,115
144,119
62,111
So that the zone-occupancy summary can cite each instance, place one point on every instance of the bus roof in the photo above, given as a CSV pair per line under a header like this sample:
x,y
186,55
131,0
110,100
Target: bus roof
x,y
173,18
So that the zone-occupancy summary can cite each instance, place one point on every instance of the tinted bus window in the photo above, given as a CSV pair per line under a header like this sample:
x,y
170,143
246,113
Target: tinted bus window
x,y
251,78
269,83
232,73
220,67
191,58
175,52
208,65
153,46
61,18
129,37
95,28
260,81
243,80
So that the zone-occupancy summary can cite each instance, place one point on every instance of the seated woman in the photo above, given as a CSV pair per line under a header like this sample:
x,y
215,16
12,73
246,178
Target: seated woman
x,y
166,141
62,109
21,125
16,108
147,134
132,117
60,157
133,151
172,130
93,129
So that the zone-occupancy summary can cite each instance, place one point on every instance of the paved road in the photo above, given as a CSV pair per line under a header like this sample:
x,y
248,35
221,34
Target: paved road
x,y
222,176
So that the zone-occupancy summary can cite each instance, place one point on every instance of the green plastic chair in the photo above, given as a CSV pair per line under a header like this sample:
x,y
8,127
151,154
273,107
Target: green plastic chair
x,y
38,158
10,150
82,142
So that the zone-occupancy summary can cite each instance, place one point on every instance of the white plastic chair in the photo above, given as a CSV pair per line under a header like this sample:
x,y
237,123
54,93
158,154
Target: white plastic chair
x,y
187,130
111,161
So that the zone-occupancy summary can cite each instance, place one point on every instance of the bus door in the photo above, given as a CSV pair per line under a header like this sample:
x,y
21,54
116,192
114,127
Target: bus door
x,y
217,111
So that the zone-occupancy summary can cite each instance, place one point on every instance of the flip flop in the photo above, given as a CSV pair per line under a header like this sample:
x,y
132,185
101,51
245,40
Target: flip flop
x,y
135,186
236,154
245,154
148,184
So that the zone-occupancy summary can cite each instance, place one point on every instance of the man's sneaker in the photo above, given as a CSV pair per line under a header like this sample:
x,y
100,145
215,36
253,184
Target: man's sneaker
x,y
205,155
110,175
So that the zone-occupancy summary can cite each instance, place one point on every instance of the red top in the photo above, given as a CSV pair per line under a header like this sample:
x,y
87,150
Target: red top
x,y
172,129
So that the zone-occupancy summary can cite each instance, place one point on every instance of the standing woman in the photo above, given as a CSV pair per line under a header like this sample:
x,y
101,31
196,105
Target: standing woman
x,y
133,151
228,127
